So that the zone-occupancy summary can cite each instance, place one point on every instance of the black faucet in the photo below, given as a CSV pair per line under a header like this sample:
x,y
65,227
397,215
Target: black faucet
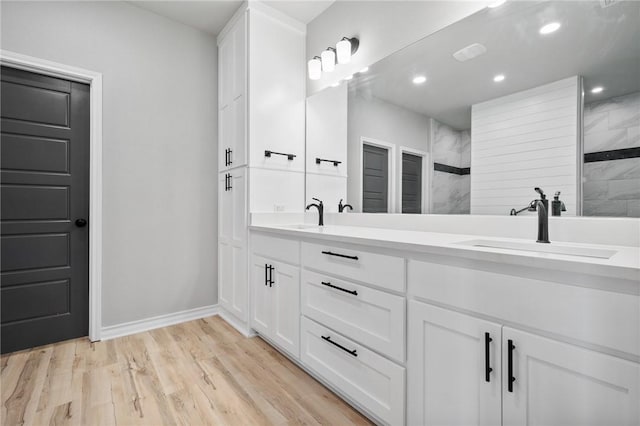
x,y
542,207
341,206
320,208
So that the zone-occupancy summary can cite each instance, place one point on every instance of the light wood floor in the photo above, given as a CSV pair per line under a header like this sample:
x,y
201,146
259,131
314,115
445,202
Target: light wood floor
x,y
196,373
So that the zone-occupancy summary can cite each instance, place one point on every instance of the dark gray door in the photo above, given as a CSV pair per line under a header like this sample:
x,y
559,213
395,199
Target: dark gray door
x,y
44,149
411,183
375,179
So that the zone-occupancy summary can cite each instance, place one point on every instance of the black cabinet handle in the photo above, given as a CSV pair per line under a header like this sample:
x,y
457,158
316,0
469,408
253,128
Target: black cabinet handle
x,y
355,293
271,282
340,255
321,160
351,352
510,378
226,157
266,274
487,361
228,186
229,157
290,157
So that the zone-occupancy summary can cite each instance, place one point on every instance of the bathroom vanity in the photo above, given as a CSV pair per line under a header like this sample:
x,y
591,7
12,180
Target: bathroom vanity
x,y
430,328
434,319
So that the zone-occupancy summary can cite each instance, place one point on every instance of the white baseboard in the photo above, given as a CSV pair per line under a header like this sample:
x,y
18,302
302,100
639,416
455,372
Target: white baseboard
x,y
234,322
133,327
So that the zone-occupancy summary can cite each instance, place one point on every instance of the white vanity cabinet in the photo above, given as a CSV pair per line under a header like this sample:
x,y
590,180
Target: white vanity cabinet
x,y
464,369
555,383
454,366
275,291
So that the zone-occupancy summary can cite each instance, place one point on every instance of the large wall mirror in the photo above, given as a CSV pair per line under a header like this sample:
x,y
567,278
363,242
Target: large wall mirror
x,y
470,119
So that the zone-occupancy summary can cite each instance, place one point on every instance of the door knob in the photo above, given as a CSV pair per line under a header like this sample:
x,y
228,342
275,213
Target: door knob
x,y
81,223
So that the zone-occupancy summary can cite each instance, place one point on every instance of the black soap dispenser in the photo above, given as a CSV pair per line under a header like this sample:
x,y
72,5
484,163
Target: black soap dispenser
x,y
557,206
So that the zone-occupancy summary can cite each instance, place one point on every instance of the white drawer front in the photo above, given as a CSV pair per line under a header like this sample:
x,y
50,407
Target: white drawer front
x,y
371,317
369,379
276,248
600,317
372,268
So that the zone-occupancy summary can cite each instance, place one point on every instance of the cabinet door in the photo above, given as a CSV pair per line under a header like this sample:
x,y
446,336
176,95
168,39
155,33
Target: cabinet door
x,y
286,307
225,209
225,275
561,384
238,201
261,295
239,282
447,363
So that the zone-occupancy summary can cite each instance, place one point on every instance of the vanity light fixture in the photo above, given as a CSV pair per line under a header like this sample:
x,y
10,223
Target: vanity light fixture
x,y
497,3
419,79
328,58
314,67
498,78
597,89
550,28
345,48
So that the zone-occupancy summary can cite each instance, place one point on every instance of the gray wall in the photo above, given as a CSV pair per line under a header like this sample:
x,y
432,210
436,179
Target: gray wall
x,y
383,27
376,119
612,188
160,135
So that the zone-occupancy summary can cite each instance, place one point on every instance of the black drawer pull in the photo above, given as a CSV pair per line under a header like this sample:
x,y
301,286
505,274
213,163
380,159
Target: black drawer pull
x,y
487,362
510,378
328,339
340,255
355,293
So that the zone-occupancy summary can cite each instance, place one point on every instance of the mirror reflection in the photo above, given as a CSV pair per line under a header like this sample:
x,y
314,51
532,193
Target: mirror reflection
x,y
474,117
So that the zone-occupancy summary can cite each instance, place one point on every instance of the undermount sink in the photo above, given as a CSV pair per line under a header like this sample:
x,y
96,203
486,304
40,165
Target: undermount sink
x,y
298,226
542,248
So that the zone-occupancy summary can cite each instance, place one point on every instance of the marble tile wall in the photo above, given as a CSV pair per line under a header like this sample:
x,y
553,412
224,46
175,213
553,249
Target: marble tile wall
x,y
612,188
450,192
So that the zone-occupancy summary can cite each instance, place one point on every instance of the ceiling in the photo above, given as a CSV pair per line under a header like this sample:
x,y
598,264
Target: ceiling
x,y
600,44
211,15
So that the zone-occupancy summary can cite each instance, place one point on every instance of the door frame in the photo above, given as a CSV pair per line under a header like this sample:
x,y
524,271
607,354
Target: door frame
x,y
424,178
391,182
94,80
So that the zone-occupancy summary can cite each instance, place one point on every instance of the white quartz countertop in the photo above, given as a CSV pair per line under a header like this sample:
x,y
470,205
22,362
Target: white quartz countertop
x,y
624,264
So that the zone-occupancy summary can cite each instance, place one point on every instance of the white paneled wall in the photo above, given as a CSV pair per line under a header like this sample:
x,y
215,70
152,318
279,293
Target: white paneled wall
x,y
524,140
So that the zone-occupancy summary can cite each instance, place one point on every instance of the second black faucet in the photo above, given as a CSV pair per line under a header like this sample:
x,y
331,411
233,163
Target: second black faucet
x,y
320,208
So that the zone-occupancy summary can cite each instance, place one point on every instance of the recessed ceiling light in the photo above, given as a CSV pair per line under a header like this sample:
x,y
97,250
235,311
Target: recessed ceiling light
x,y
496,3
365,69
348,77
419,79
550,28
498,78
598,89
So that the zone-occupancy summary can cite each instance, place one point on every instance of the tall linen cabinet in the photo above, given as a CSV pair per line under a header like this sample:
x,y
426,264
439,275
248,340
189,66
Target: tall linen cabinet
x,y
261,115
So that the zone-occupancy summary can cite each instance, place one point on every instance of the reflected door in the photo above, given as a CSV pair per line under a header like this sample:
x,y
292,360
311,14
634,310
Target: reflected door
x,y
411,183
375,179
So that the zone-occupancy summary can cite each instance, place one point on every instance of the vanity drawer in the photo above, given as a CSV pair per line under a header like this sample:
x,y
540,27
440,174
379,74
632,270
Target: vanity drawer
x,y
606,318
372,268
362,375
371,317
276,248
